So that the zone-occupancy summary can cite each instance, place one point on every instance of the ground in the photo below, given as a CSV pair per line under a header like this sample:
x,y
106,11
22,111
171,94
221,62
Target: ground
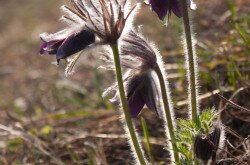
x,y
53,119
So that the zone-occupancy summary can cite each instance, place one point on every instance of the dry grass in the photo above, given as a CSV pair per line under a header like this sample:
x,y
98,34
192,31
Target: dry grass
x,y
47,118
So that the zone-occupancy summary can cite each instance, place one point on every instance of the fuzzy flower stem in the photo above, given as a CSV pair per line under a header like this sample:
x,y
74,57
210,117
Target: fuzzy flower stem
x,y
191,67
124,103
167,112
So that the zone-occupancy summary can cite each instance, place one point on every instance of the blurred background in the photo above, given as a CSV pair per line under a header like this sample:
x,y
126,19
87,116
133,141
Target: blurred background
x,y
48,118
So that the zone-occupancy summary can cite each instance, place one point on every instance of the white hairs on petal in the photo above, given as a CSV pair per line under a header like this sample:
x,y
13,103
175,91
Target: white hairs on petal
x,y
72,15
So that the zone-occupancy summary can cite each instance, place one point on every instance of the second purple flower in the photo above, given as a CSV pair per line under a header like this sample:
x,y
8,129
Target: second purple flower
x,y
166,7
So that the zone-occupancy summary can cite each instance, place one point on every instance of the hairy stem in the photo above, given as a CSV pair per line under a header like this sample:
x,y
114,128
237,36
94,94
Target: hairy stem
x,y
191,60
167,112
124,103
191,64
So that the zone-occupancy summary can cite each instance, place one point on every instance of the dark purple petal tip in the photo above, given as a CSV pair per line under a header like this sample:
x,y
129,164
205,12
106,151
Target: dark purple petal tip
x,y
135,104
50,47
176,8
43,48
160,7
75,43
68,46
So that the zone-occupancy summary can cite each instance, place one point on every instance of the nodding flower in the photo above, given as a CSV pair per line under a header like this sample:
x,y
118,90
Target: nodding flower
x,y
142,90
166,7
140,81
90,23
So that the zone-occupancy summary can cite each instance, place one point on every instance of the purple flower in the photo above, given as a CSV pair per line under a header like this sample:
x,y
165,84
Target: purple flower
x,y
165,7
140,81
89,23
65,45
141,90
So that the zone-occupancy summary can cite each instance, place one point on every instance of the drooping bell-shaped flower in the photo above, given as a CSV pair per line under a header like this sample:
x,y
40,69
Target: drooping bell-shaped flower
x,y
141,89
141,84
166,7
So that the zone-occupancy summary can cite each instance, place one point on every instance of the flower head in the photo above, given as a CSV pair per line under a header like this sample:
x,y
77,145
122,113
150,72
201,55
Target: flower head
x,y
106,18
89,22
141,89
141,84
165,7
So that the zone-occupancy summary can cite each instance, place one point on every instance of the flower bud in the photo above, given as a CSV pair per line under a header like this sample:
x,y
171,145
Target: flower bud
x,y
205,146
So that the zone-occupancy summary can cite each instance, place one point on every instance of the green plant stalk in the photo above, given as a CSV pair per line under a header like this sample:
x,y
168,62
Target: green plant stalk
x,y
167,113
91,158
124,103
146,136
191,67
191,63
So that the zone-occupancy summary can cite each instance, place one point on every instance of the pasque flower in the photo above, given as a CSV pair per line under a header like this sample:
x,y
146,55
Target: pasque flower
x,y
141,85
92,23
166,7
89,23
145,83
141,89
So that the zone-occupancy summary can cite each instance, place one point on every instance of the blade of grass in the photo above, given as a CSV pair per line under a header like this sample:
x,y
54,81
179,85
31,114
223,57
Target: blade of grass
x,y
146,136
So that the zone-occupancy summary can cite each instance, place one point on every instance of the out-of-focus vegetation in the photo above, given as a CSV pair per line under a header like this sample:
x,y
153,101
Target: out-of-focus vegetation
x,y
47,118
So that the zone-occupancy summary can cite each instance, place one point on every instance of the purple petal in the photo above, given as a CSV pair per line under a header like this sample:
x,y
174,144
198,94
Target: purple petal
x,y
135,104
75,43
54,48
135,100
150,98
164,7
43,47
51,47
149,92
161,7
176,8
